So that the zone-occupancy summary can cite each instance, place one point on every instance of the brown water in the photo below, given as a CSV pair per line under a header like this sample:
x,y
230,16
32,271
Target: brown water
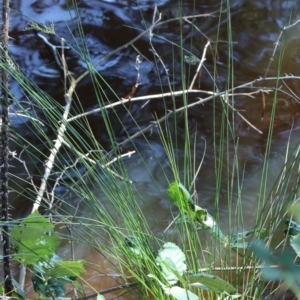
x,y
255,27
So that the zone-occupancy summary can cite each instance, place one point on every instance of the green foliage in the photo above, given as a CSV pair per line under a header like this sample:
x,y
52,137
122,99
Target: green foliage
x,y
34,240
176,291
212,283
35,243
50,277
41,27
47,286
238,240
38,245
171,259
279,267
171,262
18,293
191,60
71,269
181,198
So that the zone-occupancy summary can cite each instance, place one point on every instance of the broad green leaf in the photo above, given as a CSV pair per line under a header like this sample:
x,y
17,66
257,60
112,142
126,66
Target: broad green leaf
x,y
213,283
100,297
34,239
47,286
180,293
71,269
171,260
285,269
263,253
176,291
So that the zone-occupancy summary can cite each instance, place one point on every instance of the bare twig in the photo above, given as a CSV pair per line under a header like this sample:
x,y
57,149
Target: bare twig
x,y
203,100
200,65
58,143
18,158
229,92
278,43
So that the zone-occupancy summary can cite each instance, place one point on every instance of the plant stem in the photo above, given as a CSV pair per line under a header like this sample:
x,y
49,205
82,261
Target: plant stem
x,y
4,152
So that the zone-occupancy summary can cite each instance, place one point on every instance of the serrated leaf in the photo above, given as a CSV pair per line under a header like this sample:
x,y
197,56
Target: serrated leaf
x,y
171,259
71,269
34,239
176,291
213,283
180,293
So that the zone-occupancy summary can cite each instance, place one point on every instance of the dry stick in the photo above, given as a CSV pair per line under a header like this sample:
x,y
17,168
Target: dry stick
x,y
58,143
105,166
179,93
8,286
200,65
153,49
156,96
292,94
61,131
18,158
201,101
277,44
150,29
202,33
124,101
50,162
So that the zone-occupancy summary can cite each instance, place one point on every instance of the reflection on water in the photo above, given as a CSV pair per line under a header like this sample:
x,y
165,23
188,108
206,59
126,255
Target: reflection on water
x,y
255,27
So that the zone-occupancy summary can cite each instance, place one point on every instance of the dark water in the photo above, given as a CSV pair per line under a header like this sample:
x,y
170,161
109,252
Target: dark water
x,y
254,26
